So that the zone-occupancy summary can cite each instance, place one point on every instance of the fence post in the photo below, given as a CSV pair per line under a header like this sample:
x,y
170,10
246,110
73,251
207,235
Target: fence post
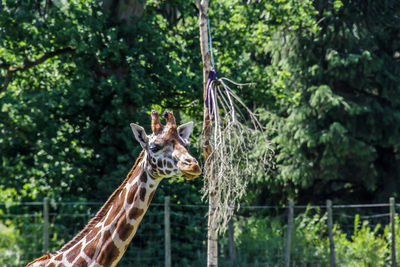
x,y
330,233
232,249
392,222
45,225
167,232
289,234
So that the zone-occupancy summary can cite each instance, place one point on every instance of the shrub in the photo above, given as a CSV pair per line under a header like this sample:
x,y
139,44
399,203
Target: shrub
x,y
10,252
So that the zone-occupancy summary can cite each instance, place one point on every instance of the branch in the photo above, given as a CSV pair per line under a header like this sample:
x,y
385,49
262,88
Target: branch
x,y
29,64
7,80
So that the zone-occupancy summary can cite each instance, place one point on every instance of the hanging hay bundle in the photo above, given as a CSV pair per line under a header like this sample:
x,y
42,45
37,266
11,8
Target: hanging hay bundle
x,y
235,136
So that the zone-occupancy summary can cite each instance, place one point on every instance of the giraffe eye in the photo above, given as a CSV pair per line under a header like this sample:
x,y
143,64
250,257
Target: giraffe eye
x,y
155,148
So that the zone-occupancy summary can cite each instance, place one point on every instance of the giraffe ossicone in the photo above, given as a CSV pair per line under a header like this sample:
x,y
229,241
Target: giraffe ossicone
x,y
104,240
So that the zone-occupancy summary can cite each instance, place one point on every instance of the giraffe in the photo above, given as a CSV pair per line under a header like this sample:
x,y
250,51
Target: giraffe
x,y
104,240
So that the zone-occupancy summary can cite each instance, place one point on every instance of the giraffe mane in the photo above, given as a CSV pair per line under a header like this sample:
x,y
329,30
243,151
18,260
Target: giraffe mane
x,y
42,258
104,209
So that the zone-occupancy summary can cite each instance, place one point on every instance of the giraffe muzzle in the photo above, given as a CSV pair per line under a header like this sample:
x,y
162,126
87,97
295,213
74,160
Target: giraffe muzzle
x,y
192,171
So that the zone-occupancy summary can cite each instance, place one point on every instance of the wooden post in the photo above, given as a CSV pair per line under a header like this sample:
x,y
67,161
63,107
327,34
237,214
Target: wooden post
x,y
289,234
212,235
231,236
167,232
392,222
332,257
45,225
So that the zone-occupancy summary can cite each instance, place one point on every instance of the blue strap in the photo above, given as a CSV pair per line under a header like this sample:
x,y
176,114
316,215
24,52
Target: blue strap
x,y
210,43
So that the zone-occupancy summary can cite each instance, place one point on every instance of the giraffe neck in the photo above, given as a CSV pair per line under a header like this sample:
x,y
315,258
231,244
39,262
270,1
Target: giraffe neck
x,y
123,219
107,236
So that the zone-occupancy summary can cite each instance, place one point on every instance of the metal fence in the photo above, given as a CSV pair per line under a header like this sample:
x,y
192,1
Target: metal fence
x,y
176,235
37,227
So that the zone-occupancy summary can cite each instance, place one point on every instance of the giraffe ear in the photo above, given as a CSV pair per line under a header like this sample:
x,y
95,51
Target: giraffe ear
x,y
185,130
140,134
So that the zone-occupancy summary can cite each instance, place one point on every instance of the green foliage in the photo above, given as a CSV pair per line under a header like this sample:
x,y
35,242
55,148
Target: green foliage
x,y
367,247
64,122
10,252
259,240
262,241
310,244
388,235
336,130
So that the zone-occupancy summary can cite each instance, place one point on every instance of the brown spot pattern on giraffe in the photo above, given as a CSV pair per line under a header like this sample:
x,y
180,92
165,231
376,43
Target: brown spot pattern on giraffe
x,y
74,252
150,197
92,234
142,193
109,253
123,194
123,228
106,236
135,213
169,165
143,177
59,257
114,210
90,248
116,207
159,163
60,265
131,194
52,265
80,263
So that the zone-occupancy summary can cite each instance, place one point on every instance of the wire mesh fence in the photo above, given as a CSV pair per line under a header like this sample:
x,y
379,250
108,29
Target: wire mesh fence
x,y
257,235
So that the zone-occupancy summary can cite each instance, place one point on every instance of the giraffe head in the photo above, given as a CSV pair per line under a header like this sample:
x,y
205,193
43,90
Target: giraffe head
x,y
166,148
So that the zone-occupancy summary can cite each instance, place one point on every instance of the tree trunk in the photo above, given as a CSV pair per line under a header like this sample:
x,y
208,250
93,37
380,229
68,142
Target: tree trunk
x,y
212,244
125,9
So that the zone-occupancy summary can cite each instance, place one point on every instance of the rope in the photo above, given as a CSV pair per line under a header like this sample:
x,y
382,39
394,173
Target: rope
x,y
212,76
210,94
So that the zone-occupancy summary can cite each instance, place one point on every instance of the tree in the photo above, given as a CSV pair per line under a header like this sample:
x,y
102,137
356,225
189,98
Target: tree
x,y
79,76
338,132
